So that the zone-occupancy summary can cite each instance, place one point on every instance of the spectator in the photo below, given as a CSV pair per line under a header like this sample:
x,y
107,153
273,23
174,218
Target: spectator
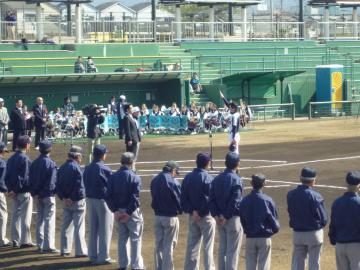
x,y
79,65
174,110
112,105
90,65
28,115
156,111
121,114
68,106
185,112
195,83
10,20
4,120
131,130
18,123
144,110
40,115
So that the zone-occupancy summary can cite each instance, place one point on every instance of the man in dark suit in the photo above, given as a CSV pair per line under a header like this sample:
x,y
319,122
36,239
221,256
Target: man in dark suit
x,y
18,122
132,132
39,111
120,112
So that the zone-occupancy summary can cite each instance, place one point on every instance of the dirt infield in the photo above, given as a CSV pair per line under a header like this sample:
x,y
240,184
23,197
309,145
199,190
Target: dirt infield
x,y
277,149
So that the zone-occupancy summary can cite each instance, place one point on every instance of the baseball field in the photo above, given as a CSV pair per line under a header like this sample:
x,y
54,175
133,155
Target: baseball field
x,y
279,149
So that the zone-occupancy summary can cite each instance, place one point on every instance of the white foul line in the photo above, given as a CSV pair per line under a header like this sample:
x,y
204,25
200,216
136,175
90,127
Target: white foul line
x,y
300,162
275,186
297,183
192,160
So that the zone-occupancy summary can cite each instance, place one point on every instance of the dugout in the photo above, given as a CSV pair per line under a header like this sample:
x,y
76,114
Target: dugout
x,y
158,87
258,87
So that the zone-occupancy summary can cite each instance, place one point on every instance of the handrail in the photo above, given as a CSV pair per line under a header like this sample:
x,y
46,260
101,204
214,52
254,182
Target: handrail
x,y
260,54
95,57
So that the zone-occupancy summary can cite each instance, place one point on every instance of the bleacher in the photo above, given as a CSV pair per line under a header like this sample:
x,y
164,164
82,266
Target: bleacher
x,y
212,60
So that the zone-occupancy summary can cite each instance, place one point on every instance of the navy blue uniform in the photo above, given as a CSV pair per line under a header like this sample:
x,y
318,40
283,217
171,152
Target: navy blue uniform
x,y
195,192
225,194
70,184
124,191
3,187
42,177
306,209
165,193
258,215
17,173
345,219
96,176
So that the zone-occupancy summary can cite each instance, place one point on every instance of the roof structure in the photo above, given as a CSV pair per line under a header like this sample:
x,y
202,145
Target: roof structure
x,y
147,76
343,3
140,6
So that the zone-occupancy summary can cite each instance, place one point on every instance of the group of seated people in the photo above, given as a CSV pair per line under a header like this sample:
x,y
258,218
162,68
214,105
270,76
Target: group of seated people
x,y
88,67
199,118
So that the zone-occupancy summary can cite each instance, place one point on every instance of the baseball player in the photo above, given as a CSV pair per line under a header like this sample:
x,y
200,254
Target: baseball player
x,y
234,128
195,191
18,185
260,221
165,193
42,177
4,242
225,196
123,198
308,217
101,219
344,230
71,191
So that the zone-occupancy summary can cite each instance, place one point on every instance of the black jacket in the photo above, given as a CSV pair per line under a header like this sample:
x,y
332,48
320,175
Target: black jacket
x,y
39,115
92,129
132,133
17,120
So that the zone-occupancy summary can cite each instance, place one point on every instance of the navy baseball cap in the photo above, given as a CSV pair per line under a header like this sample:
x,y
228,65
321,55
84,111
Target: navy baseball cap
x,y
22,141
353,178
202,159
232,159
258,179
2,146
45,145
99,150
308,174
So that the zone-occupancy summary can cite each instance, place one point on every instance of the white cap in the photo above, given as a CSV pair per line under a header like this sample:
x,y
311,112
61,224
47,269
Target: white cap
x,y
122,97
136,109
1,100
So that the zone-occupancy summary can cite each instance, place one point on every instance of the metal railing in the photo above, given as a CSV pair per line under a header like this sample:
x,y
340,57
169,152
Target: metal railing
x,y
347,108
148,31
265,112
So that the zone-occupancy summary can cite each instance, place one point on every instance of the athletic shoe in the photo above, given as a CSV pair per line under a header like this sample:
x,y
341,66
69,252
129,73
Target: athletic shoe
x,y
65,254
8,244
51,250
28,245
81,256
